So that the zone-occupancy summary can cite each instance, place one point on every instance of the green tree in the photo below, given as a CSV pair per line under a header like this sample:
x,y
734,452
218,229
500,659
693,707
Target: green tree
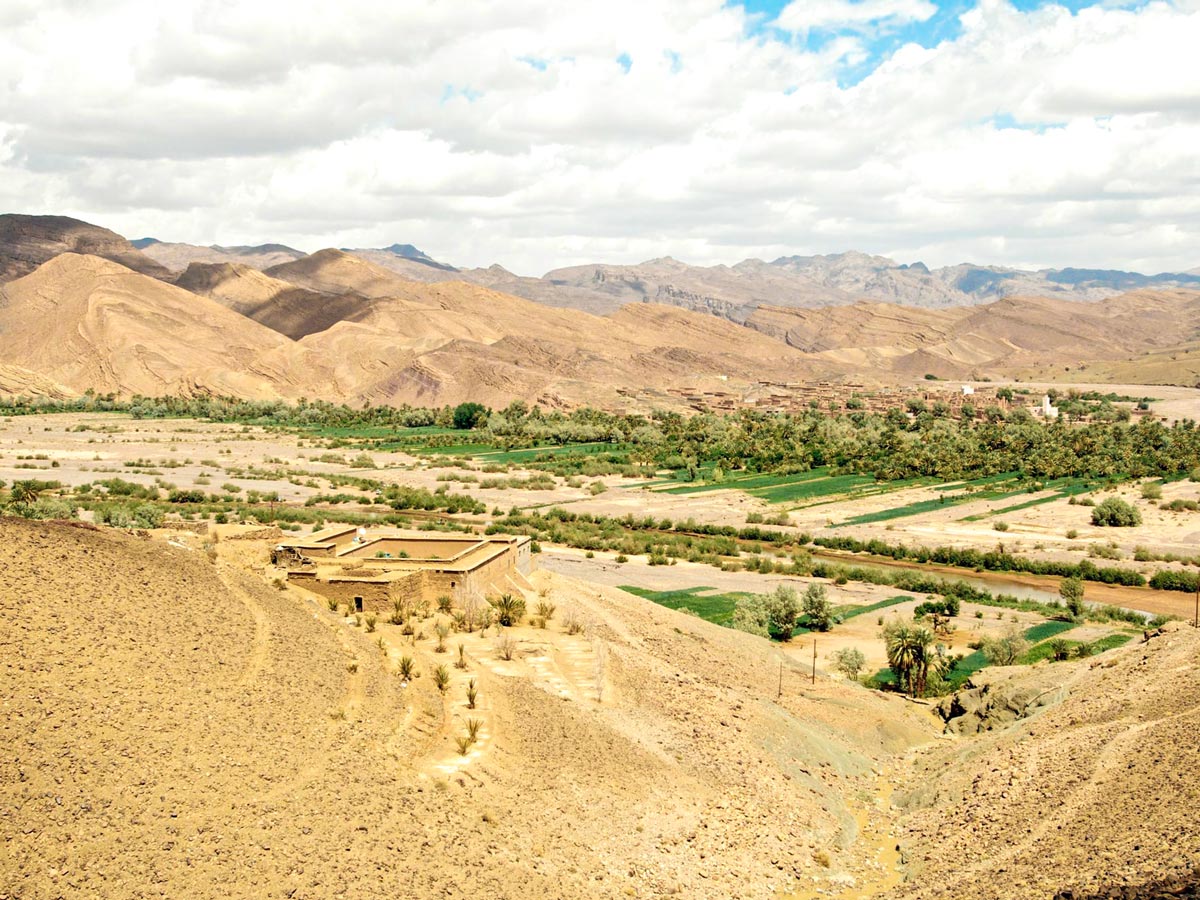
x,y
818,611
1006,649
469,415
909,653
849,661
1071,590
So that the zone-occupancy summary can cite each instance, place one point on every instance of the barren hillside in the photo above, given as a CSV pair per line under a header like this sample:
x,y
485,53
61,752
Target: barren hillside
x,y
85,322
176,723
28,241
1098,795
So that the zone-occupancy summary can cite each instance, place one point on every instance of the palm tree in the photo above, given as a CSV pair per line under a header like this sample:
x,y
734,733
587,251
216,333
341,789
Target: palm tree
x,y
510,609
908,653
25,492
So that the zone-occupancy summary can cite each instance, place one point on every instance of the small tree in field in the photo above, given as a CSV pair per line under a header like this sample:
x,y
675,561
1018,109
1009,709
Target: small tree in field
x,y
817,608
1071,590
849,661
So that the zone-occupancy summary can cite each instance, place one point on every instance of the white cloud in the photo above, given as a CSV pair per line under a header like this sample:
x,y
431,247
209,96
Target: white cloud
x,y
1037,137
806,15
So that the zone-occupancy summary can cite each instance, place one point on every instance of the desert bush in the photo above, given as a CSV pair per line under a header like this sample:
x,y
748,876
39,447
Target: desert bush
x,y
1114,512
463,743
461,662
1006,649
442,633
473,728
472,694
407,668
1071,590
1152,490
444,604
506,647
545,610
1084,650
572,624
1000,526
371,620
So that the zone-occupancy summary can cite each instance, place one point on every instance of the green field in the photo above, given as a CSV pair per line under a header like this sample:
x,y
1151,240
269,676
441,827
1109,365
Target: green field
x,y
797,489
849,612
715,608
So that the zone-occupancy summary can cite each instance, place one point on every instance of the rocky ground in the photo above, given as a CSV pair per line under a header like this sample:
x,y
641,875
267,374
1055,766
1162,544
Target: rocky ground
x,y
176,726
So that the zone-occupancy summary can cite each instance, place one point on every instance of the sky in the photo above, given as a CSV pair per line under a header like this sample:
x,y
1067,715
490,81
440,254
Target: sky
x,y
546,133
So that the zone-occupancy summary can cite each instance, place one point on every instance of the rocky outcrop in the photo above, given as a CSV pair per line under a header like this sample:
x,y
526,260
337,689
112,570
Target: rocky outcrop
x,y
995,704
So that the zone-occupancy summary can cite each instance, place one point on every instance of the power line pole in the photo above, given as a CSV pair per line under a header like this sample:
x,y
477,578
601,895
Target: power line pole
x,y
814,671
780,694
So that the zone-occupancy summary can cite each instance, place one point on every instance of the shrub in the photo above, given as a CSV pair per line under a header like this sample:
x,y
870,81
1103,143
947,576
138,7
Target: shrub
x,y
472,694
1152,490
1060,649
407,668
1005,650
1114,512
461,662
506,647
1000,526
442,633
849,661
371,620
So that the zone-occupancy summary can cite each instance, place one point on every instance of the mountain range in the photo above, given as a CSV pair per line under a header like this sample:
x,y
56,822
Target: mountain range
x,y
732,292
82,308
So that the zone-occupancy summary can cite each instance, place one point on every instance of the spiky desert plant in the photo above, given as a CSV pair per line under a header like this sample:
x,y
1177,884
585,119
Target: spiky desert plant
x,y
463,742
407,669
371,620
506,647
442,632
399,611
444,604
441,678
545,610
472,694
332,604
473,727
461,662
510,609
485,619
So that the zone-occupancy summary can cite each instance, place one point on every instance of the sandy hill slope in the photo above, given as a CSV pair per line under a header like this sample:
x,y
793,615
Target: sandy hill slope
x,y
337,272
292,311
176,256
1006,336
179,723
452,341
1097,796
85,322
28,241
